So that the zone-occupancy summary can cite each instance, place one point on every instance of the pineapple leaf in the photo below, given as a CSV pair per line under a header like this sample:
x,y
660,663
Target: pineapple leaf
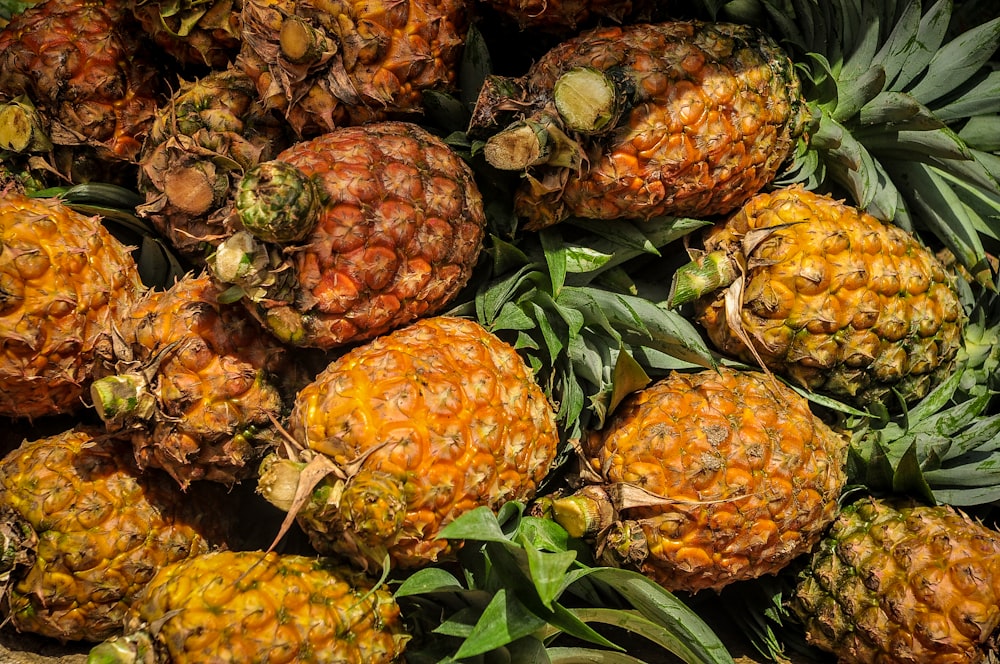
x,y
892,55
860,61
474,66
428,580
983,132
908,479
854,93
898,110
942,142
957,61
504,620
555,257
982,99
589,656
930,35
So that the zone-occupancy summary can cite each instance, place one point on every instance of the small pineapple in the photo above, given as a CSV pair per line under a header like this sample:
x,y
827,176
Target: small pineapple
x,y
704,479
637,121
85,71
332,64
361,230
64,281
254,607
199,384
897,582
827,295
201,143
195,32
84,530
403,434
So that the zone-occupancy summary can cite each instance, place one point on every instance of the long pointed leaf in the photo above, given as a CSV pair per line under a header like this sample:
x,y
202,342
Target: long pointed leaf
x,y
957,61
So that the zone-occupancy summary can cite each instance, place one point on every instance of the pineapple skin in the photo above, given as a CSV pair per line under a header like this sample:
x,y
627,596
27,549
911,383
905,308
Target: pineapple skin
x,y
446,416
895,582
218,379
750,475
101,530
560,15
257,607
201,143
191,32
836,300
717,110
400,229
82,65
65,280
363,61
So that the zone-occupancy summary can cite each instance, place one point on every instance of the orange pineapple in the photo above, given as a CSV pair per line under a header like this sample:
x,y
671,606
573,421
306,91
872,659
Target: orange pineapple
x,y
193,31
408,432
83,531
678,118
64,282
360,230
330,64
199,384
704,479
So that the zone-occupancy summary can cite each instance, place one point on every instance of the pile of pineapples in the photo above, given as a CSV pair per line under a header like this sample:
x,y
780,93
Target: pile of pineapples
x,y
500,330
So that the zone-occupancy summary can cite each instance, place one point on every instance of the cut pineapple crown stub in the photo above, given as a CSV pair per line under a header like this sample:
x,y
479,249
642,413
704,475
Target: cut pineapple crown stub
x,y
277,202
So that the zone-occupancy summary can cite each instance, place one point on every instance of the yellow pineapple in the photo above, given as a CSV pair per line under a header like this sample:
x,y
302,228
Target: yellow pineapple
x,y
64,281
818,291
403,434
248,607
704,479
358,231
330,64
896,582
84,530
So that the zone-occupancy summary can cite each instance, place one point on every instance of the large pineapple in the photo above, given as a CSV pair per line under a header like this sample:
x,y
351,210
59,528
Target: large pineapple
x,y
403,434
84,530
198,32
898,582
707,478
86,71
825,294
361,230
198,385
330,64
248,607
680,118
212,130
64,281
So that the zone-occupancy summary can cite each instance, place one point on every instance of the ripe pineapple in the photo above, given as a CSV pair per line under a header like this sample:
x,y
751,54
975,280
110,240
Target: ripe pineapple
x,y
84,530
64,281
403,434
704,479
84,69
826,295
203,140
680,118
196,32
560,15
899,582
363,229
198,384
252,606
331,64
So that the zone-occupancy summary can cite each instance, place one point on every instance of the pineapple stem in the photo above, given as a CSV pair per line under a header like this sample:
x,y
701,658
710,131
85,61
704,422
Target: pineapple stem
x,y
590,100
586,512
500,97
21,128
117,398
300,43
276,202
532,142
703,275
190,189
135,648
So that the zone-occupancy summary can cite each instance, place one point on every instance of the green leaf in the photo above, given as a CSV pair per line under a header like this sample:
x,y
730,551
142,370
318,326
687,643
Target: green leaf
x,y
548,572
903,36
909,479
577,655
860,61
983,132
428,580
512,317
491,300
957,61
981,99
907,144
628,377
930,35
504,620
899,111
854,93
555,256
474,66
478,524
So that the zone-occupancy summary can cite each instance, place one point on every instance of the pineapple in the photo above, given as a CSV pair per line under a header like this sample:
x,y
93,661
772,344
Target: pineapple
x,y
706,478
84,531
85,71
361,230
199,384
899,582
560,15
680,118
821,292
195,32
252,606
203,140
64,281
403,434
331,64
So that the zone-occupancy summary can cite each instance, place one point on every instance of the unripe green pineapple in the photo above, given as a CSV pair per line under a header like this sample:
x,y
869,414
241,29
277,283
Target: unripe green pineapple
x,y
902,583
254,607
83,531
